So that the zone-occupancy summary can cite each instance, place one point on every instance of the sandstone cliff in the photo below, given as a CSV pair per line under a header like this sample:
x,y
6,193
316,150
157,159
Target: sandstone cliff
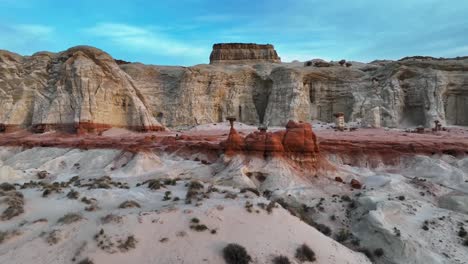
x,y
83,89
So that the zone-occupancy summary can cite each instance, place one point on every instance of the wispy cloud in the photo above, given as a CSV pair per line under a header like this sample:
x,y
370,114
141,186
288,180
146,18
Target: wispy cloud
x,y
147,39
34,30
26,38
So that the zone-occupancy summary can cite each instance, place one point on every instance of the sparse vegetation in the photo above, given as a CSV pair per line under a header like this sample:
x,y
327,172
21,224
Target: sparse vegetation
x,y
14,201
69,218
53,237
199,227
342,236
379,252
193,191
72,194
5,235
129,204
270,207
128,244
305,253
42,174
167,195
86,261
7,187
153,184
236,254
281,260
462,232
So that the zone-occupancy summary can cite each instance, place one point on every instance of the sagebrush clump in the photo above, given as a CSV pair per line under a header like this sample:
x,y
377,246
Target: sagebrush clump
x,y
305,253
236,254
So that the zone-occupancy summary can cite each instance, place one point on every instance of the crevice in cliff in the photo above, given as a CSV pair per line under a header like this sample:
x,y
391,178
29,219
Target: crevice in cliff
x,y
261,94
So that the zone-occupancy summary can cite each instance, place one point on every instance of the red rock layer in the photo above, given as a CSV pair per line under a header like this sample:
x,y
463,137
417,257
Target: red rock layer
x,y
88,127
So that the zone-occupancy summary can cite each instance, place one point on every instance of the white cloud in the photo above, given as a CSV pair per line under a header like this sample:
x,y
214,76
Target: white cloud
x,y
146,39
34,30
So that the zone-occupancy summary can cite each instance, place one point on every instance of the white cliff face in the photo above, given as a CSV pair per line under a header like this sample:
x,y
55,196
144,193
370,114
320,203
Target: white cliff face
x,y
80,85
85,85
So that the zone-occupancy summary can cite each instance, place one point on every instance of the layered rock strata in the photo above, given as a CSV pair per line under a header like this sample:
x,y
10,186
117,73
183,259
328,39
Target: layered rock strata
x,y
79,90
240,53
84,89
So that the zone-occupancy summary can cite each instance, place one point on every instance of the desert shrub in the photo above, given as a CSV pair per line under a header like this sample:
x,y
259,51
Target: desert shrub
x,y
230,195
69,218
342,62
153,184
5,235
342,236
195,185
324,229
236,254
270,207
462,232
195,220
167,195
53,237
72,194
14,201
86,261
379,252
7,187
129,243
42,174
349,64
346,198
170,181
305,253
401,198
129,204
465,243
111,218
199,227
281,260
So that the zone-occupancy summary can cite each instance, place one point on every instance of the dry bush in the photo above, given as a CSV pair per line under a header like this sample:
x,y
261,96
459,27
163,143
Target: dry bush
x,y
129,204
69,218
236,254
128,244
281,260
305,253
14,201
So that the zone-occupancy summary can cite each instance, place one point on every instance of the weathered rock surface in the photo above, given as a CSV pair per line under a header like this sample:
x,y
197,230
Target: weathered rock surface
x,y
84,89
240,53
79,90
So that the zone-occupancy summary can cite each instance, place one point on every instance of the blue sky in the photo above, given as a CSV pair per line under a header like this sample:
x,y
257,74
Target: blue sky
x,y
181,32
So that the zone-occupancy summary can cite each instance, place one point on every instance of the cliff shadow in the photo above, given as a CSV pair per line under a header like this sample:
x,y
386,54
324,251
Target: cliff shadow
x,y
260,96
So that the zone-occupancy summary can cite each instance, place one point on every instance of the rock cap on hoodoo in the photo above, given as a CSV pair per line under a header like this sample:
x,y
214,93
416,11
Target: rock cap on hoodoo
x,y
238,53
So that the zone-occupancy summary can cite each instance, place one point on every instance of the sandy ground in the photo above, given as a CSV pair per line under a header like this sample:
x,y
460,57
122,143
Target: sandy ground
x,y
397,203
